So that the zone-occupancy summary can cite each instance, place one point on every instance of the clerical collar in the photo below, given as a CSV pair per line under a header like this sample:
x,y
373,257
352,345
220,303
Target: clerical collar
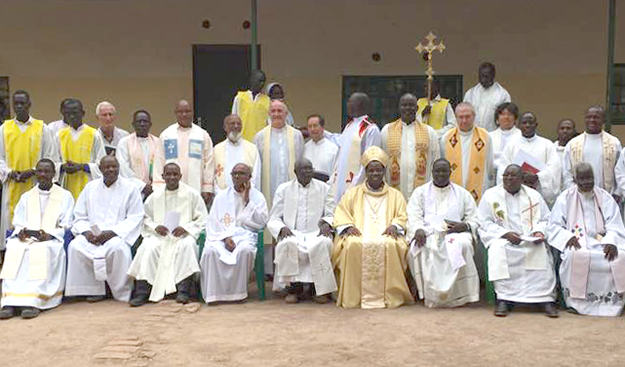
x,y
278,128
234,142
320,141
507,132
444,188
511,194
300,184
409,123
30,119
531,139
44,191
183,127
466,133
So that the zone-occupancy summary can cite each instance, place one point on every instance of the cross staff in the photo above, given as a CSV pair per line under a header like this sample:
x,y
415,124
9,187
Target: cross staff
x,y
428,49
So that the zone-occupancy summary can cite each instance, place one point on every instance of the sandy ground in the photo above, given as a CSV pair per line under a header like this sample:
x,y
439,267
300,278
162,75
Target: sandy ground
x,y
272,333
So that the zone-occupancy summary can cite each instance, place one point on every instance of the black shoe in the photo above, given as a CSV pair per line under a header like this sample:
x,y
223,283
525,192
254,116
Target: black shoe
x,y
30,313
139,301
94,299
501,310
7,312
182,297
550,310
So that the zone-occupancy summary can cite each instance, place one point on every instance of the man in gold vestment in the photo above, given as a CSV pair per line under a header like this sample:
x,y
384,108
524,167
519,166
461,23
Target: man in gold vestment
x,y
370,251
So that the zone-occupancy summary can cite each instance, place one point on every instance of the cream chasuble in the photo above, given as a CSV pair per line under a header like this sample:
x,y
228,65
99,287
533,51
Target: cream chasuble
x,y
371,268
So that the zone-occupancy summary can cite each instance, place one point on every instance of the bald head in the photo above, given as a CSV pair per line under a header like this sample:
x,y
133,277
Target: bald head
x,y
465,116
358,104
408,108
184,113
278,113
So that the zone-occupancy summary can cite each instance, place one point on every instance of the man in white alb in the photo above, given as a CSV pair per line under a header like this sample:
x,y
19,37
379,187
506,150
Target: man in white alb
x,y
586,226
33,274
412,146
442,222
136,152
469,150
189,146
513,227
535,155
320,151
597,147
107,222
111,134
486,96
234,149
235,218
301,223
166,261
359,134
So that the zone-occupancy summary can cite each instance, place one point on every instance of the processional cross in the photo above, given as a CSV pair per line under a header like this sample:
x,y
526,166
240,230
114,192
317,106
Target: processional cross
x,y
430,47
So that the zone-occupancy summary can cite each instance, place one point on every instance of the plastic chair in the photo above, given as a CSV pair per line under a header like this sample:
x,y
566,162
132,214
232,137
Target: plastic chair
x,y
259,262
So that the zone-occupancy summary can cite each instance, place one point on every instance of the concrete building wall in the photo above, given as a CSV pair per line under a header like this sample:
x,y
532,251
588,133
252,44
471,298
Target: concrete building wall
x,y
550,55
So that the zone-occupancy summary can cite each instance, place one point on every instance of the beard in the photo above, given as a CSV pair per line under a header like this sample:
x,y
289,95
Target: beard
x,y
234,136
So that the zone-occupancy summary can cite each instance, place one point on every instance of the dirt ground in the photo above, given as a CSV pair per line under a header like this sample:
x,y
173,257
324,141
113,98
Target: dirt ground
x,y
272,333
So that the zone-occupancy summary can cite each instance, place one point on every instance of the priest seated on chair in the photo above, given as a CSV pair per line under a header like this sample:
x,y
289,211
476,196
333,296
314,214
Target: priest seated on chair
x,y
33,276
107,222
586,227
513,226
370,250
442,222
235,218
301,223
166,262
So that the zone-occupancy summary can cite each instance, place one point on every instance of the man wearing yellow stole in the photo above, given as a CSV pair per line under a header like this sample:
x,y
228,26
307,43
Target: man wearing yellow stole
x,y
469,150
23,142
370,250
252,106
80,147
412,146
438,113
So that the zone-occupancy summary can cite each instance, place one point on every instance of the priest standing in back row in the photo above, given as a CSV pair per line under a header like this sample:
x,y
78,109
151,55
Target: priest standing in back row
x,y
469,150
23,142
412,146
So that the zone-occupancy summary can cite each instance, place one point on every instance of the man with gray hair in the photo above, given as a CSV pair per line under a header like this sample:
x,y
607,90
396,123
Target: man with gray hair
x,y
107,114
586,227
469,150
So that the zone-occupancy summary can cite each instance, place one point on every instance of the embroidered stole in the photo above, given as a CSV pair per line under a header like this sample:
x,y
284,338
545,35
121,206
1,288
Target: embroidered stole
x,y
37,251
22,151
137,159
436,119
609,157
249,158
422,144
253,114
477,160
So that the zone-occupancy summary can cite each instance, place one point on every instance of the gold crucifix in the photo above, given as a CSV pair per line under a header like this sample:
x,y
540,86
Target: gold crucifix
x,y
428,49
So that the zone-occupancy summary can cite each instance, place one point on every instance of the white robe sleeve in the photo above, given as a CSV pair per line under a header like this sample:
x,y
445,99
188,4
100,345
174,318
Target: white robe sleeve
x,y
129,228
299,145
256,173
208,164
489,230
123,156
558,234
619,175
490,168
276,217
97,153
81,217
384,139
434,147
416,214
200,214
235,105
329,206
505,159
470,212
567,170
372,137
4,167
255,214
550,177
